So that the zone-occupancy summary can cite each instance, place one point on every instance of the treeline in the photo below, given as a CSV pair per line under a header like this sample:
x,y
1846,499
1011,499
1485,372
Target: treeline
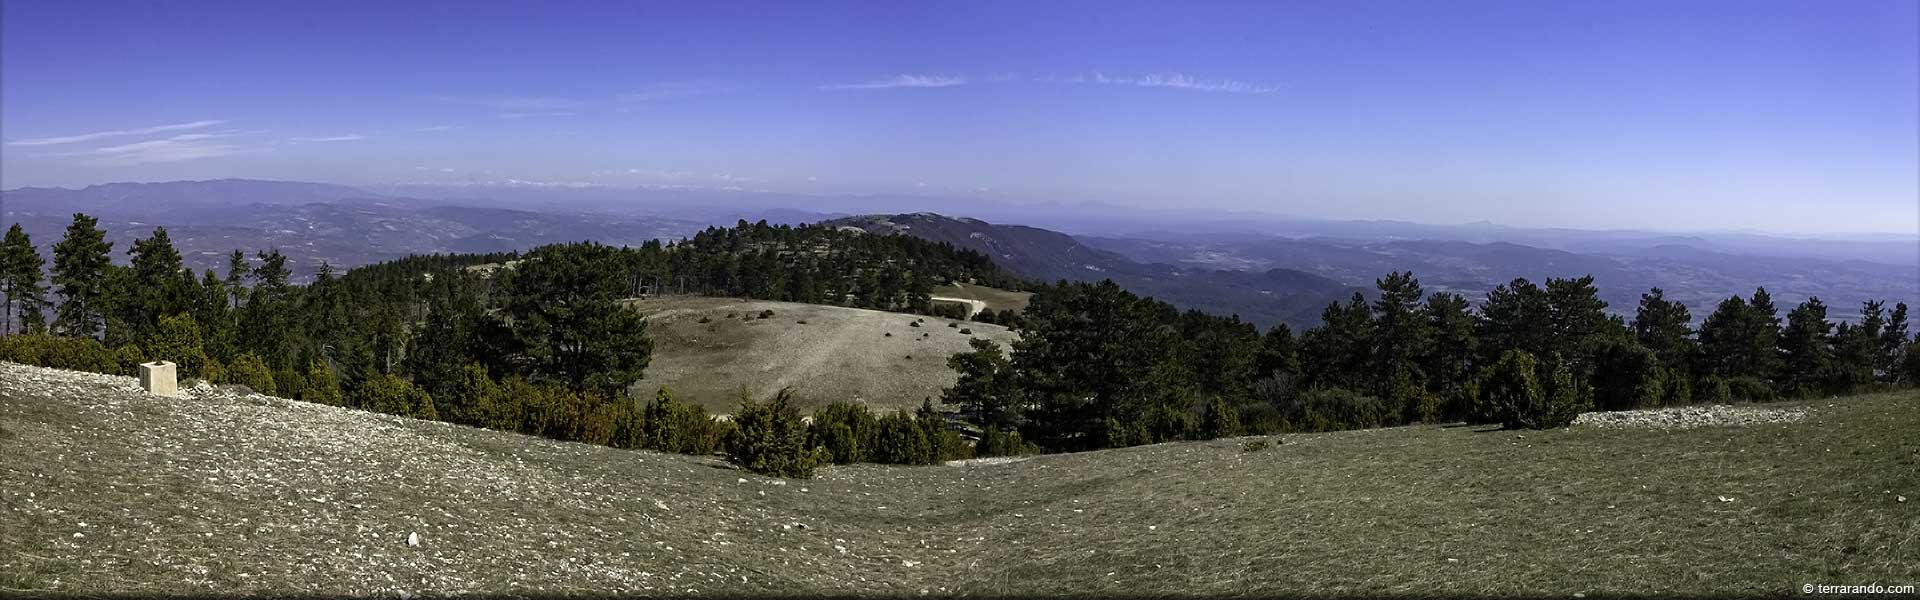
x,y
540,343
536,343
1098,367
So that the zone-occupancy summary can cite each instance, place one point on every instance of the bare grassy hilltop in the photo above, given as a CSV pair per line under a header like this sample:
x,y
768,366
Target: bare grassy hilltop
x,y
104,489
825,353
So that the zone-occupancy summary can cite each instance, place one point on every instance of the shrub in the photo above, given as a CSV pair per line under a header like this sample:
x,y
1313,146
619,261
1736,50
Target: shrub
x,y
1514,395
706,319
73,354
1256,446
682,428
1330,409
214,372
289,382
914,324
994,442
954,325
769,439
1714,389
1750,389
732,315
766,314
800,322
889,334
901,441
1221,420
126,360
966,331
395,396
1627,376
320,386
845,429
248,370
1679,391
178,340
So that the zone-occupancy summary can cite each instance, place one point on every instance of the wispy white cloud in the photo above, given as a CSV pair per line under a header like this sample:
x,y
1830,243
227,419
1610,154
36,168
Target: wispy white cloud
x,y
672,89
901,81
337,138
530,115
173,149
1179,82
431,129
516,103
87,137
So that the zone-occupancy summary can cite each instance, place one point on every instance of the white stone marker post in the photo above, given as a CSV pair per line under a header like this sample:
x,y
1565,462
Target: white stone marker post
x,y
158,378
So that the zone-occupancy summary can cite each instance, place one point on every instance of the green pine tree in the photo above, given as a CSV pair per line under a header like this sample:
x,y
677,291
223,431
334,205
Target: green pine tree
x,y
80,276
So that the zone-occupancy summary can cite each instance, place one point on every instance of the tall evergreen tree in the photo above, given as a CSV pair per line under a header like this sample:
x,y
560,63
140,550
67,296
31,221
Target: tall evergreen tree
x,y
20,283
1765,334
564,302
1665,327
238,271
1339,353
1805,346
1088,355
160,286
1579,322
1449,360
1893,342
1279,354
985,390
80,271
1515,316
1400,340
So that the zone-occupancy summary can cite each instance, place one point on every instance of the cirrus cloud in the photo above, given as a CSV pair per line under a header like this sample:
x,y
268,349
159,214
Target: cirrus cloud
x,y
88,137
901,81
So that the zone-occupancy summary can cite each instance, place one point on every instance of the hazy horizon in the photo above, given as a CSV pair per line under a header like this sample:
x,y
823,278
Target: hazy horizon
x,y
1782,118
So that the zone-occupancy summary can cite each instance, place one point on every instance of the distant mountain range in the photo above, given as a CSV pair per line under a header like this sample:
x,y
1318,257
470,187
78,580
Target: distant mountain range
x,y
312,223
1698,277
1264,297
1265,268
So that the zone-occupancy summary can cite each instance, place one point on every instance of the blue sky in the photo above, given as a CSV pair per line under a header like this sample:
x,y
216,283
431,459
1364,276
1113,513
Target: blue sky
x,y
1794,117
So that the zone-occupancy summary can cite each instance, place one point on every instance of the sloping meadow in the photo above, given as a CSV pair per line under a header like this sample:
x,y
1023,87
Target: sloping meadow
x,y
105,489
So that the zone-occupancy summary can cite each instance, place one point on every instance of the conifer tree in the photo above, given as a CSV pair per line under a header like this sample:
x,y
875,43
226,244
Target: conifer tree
x,y
985,390
1665,327
1279,354
21,283
1515,316
1449,360
564,302
80,275
1805,346
159,285
1400,340
1893,342
1339,353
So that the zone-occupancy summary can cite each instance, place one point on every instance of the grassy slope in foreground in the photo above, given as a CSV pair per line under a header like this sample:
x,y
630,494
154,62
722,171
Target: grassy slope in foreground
x,y
838,354
221,492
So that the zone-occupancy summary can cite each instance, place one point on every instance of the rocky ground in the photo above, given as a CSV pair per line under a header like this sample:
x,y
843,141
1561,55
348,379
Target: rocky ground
x,y
1688,417
105,490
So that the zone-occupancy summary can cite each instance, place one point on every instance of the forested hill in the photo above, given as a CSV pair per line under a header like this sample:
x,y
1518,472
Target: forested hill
x,y
536,342
1263,298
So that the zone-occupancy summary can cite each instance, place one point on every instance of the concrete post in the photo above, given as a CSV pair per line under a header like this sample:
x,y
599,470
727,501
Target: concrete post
x,y
158,378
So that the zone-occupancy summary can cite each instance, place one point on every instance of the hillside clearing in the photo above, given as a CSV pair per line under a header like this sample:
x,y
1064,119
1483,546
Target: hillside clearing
x,y
996,299
836,354
104,489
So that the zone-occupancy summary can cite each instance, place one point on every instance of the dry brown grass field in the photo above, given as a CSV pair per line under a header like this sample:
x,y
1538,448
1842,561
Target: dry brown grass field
x,y
996,299
104,489
825,353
